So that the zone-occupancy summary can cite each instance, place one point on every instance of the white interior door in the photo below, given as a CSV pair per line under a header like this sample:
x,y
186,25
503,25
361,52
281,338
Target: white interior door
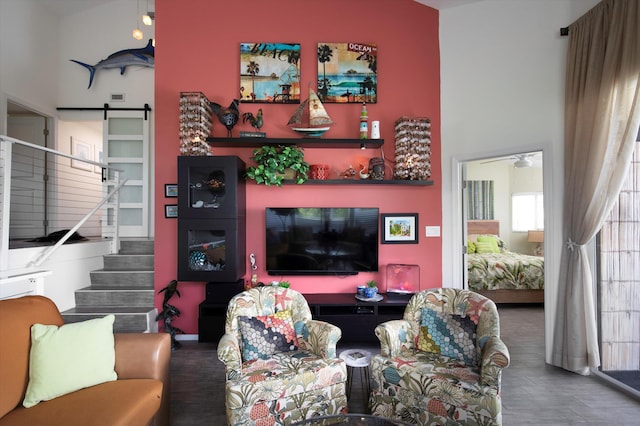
x,y
463,219
126,147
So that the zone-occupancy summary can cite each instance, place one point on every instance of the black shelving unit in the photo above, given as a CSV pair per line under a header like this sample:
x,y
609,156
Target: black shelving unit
x,y
211,218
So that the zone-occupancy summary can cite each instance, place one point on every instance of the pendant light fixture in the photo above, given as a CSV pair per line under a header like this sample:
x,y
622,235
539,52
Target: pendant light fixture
x,y
146,18
137,34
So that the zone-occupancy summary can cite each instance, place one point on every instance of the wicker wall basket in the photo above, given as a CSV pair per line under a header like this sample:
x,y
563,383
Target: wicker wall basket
x,y
195,123
413,148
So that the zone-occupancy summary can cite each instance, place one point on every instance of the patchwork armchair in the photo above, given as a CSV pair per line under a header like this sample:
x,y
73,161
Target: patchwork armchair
x,y
281,366
442,363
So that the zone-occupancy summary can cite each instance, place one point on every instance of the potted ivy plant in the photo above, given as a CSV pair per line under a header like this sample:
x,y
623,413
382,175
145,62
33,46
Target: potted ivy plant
x,y
272,162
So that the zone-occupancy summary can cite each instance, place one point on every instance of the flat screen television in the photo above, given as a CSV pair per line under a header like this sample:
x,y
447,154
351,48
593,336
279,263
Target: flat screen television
x,y
321,241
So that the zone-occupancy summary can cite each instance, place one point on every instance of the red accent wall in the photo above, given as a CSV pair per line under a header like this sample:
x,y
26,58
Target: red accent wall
x,y
197,49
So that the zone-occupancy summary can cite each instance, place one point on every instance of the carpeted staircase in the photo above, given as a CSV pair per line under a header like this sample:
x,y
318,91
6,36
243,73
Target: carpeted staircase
x,y
124,287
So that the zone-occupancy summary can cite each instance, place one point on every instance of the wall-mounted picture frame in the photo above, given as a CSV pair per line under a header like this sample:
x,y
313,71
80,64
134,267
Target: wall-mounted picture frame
x,y
170,210
170,190
82,150
270,73
399,228
348,72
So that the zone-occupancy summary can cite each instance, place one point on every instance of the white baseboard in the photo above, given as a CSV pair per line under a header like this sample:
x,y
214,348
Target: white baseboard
x,y
186,337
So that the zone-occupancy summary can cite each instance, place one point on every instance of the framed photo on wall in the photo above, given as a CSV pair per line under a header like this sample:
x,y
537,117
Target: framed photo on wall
x,y
399,228
170,190
81,150
170,210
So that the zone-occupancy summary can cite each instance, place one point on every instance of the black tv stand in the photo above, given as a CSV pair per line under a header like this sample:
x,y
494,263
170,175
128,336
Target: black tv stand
x,y
356,319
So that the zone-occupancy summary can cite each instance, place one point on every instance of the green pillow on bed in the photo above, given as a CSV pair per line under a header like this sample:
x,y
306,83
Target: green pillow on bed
x,y
490,239
471,247
485,247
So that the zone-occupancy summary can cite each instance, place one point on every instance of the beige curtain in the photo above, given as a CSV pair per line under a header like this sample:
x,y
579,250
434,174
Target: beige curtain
x,y
602,114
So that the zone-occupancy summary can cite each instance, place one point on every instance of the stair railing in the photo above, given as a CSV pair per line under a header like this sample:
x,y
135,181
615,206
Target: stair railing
x,y
65,188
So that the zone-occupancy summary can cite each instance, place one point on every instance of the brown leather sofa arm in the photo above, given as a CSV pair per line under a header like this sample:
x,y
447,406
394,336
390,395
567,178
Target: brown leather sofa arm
x,y
146,356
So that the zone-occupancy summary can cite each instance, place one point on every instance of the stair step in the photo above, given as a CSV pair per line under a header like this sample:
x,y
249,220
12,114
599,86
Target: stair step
x,y
124,287
109,296
128,319
116,279
136,246
128,262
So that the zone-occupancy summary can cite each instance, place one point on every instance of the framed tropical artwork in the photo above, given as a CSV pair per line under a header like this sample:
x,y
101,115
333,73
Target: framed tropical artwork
x,y
348,72
399,228
270,73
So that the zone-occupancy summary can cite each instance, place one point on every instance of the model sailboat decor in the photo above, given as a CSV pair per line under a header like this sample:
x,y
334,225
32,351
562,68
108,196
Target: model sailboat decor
x,y
310,119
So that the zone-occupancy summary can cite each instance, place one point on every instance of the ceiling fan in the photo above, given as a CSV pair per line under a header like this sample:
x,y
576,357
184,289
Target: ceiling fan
x,y
519,160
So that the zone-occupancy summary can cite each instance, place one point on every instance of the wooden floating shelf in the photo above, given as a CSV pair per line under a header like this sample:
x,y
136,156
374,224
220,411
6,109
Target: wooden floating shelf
x,y
361,182
304,142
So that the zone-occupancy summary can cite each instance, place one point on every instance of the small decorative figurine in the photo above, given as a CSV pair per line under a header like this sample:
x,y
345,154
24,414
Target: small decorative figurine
x,y
364,172
256,121
349,173
169,312
227,116
254,267
376,168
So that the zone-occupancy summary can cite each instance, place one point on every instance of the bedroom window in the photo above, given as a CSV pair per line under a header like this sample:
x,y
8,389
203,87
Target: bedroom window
x,y
480,199
527,211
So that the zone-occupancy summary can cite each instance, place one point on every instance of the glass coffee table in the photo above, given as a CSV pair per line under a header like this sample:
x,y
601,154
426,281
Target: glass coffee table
x,y
350,419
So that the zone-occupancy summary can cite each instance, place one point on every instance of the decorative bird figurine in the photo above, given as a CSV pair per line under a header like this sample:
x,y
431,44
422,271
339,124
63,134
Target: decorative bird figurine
x,y
169,312
364,172
228,116
169,291
255,120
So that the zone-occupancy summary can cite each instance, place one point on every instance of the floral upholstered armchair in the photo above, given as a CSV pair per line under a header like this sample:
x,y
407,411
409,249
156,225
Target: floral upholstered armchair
x,y
442,363
281,366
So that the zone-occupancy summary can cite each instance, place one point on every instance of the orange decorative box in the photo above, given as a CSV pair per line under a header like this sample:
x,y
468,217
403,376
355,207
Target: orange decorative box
x,y
319,171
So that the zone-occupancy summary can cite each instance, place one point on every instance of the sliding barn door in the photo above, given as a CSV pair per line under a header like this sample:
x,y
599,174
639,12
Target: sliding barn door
x,y
126,147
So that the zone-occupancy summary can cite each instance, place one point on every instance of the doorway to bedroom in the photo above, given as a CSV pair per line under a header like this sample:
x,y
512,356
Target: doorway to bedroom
x,y
503,215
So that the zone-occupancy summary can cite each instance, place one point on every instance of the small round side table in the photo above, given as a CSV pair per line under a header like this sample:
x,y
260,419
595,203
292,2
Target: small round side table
x,y
360,359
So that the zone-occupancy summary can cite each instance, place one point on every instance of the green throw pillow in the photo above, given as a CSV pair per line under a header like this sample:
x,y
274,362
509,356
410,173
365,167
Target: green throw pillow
x,y
485,247
491,240
70,357
471,247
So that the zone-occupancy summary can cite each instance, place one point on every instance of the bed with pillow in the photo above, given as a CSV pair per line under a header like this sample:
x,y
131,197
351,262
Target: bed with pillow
x,y
495,272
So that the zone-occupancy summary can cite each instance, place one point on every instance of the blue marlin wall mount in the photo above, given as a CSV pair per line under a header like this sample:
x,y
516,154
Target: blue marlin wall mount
x,y
124,58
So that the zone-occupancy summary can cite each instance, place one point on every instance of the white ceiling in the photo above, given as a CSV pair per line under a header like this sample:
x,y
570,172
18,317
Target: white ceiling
x,y
70,7
62,8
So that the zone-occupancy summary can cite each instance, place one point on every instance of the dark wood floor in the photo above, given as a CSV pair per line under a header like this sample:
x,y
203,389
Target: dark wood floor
x,y
533,393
